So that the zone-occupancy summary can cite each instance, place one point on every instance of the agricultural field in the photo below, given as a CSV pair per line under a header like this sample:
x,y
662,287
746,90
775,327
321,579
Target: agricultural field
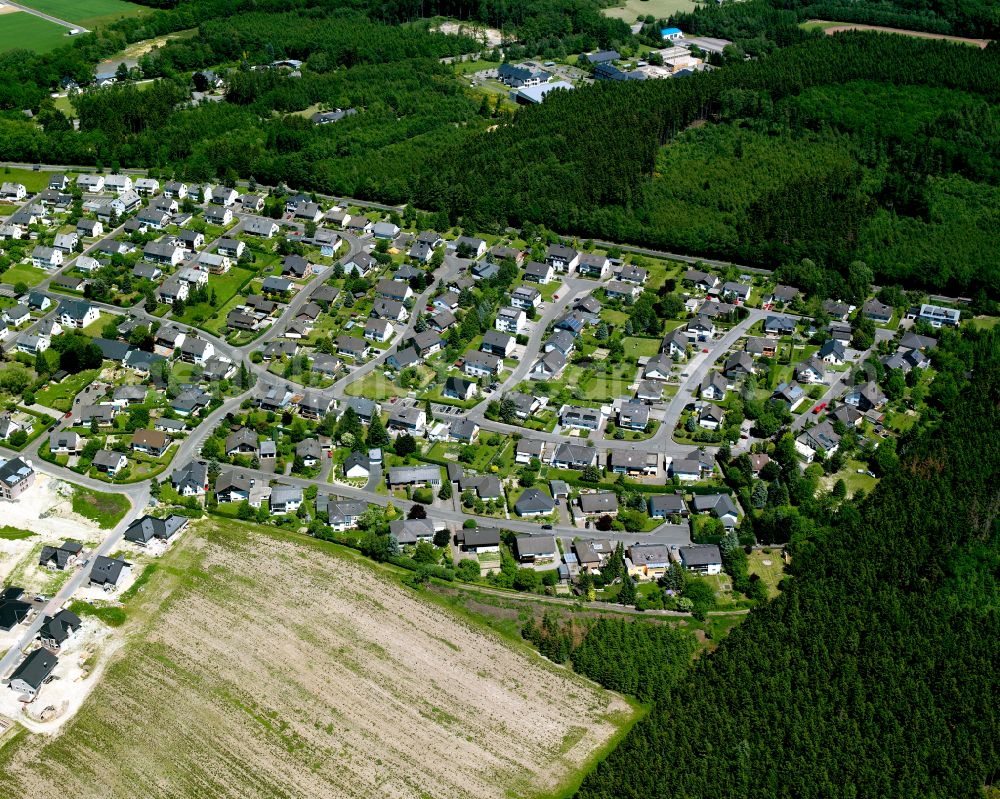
x,y
349,686
86,13
23,31
660,9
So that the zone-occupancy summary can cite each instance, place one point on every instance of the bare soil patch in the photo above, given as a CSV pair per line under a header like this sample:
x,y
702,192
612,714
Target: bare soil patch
x,y
262,666
980,43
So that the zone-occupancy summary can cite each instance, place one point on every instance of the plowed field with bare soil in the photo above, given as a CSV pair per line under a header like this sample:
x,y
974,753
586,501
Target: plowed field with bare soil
x,y
261,665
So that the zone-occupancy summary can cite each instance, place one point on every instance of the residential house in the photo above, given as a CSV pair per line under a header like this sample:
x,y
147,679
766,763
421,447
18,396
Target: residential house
x,y
344,514
781,295
675,344
357,466
761,347
352,347
631,274
711,417
714,387
619,289
468,247
648,561
574,456
878,312
689,469
152,442
190,480
811,371
779,326
720,506
481,364
866,397
549,366
738,365
536,272
414,476
938,316
109,462
633,462
285,499
536,548
701,328
60,557
196,350
603,503
562,258
832,352
525,297
510,320
242,442
260,226
633,416
581,418
407,420
145,529
479,540
649,391
35,670
703,559
498,343
58,629
822,437
593,266
528,448
77,314
379,330
791,395
665,506
458,388
701,280
46,258
534,502
738,292
657,368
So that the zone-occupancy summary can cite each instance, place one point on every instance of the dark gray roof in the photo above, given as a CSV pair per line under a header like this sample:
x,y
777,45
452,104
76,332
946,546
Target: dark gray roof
x,y
143,530
107,570
35,668
706,555
534,500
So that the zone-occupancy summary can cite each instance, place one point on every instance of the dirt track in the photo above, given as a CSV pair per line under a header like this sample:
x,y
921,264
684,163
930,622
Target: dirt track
x,y
268,668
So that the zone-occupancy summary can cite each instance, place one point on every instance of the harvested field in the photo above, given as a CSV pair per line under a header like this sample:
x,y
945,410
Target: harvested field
x,y
831,28
258,665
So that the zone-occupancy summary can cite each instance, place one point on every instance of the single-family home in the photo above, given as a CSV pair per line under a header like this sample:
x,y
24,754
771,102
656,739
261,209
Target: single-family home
x,y
109,462
562,258
702,559
533,502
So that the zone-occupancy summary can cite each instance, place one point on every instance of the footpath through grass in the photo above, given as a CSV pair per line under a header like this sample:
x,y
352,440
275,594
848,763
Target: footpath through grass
x,y
98,506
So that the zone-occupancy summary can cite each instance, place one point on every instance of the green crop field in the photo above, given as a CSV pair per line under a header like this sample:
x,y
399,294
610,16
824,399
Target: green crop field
x,y
87,13
20,31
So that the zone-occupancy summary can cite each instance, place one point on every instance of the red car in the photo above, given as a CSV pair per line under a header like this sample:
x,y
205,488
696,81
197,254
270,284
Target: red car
x,y
819,407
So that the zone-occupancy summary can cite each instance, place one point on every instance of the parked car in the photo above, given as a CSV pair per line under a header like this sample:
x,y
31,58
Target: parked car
x,y
546,526
819,407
